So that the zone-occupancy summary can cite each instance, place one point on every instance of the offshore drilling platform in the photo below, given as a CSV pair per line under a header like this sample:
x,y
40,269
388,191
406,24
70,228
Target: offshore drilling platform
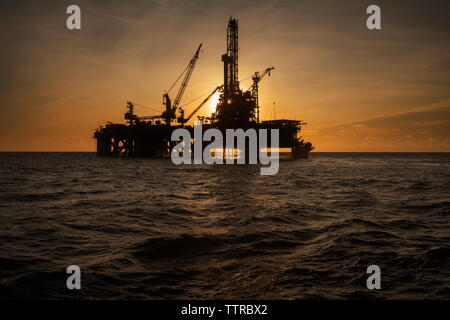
x,y
150,136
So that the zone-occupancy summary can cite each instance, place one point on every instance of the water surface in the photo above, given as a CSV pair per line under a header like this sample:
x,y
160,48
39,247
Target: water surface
x,y
144,228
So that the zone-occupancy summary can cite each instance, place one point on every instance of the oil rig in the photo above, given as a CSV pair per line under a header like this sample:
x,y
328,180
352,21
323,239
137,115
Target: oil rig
x,y
150,136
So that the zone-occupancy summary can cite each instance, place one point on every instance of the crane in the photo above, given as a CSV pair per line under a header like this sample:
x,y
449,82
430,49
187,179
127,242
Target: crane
x,y
182,120
257,77
169,113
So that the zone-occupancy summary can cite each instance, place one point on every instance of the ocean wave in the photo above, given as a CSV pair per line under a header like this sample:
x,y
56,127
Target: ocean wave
x,y
148,229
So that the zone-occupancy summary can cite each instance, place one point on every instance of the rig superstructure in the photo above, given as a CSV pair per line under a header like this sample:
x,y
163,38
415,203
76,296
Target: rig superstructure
x,y
149,136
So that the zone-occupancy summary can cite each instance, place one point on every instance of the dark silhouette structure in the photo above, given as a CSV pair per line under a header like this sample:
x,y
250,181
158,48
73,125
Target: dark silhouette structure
x,y
150,136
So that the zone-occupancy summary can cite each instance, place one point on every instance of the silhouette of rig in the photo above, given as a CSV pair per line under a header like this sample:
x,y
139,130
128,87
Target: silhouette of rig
x,y
150,136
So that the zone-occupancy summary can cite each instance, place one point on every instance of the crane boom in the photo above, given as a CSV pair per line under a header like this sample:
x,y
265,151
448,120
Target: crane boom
x,y
257,77
200,105
170,113
186,78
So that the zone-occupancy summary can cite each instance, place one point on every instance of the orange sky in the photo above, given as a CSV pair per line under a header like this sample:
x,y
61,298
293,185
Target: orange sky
x,y
358,90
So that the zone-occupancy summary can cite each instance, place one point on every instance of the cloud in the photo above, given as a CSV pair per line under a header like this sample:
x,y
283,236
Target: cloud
x,y
424,130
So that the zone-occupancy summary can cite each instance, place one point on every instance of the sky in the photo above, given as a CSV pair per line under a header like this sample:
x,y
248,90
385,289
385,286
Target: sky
x,y
357,89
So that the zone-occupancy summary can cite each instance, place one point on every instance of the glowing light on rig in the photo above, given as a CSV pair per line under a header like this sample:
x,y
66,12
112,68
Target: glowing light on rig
x,y
211,105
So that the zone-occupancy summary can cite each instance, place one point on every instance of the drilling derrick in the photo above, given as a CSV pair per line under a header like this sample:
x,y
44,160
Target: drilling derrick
x,y
230,62
236,109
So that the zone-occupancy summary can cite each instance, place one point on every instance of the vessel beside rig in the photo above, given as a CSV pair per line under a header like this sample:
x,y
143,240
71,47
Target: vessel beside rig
x,y
150,136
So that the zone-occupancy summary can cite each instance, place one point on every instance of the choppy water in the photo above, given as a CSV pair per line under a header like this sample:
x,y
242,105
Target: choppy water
x,y
144,228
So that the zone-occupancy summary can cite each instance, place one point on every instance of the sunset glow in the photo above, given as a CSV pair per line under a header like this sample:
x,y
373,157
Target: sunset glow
x,y
358,90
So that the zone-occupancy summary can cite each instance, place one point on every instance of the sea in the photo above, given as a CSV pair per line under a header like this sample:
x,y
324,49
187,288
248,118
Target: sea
x,y
148,229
